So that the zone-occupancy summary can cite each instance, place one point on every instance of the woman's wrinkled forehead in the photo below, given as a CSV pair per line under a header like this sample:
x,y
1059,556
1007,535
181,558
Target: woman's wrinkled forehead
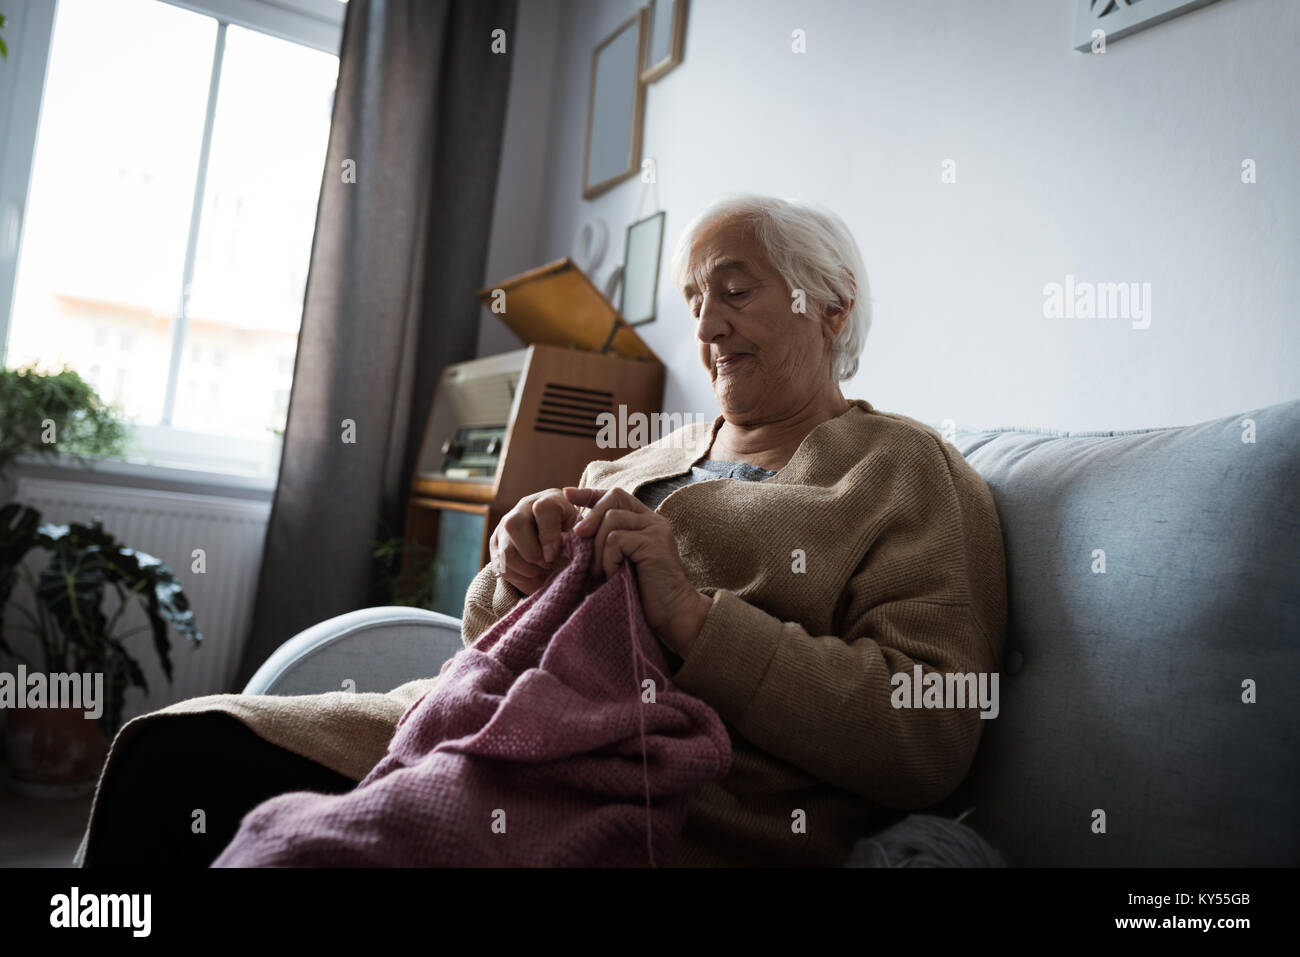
x,y
716,269
724,249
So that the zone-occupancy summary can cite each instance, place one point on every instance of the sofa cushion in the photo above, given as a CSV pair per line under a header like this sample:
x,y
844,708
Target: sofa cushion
x,y
1122,683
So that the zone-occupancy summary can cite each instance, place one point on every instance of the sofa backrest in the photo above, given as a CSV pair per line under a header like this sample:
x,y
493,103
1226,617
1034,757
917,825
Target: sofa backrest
x,y
1153,578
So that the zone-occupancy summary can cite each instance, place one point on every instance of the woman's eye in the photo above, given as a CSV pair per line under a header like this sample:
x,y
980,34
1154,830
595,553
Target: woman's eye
x,y
735,292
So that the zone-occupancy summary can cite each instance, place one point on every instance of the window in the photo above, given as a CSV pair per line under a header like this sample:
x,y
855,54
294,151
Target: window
x,y
172,200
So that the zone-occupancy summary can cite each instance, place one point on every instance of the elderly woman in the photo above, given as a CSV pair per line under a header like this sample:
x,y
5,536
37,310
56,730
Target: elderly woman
x,y
794,557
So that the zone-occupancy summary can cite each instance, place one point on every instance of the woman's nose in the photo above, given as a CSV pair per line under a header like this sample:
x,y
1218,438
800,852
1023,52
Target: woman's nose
x,y
711,325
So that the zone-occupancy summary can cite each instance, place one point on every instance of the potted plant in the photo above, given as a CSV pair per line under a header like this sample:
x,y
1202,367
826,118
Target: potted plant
x,y
403,572
56,750
52,413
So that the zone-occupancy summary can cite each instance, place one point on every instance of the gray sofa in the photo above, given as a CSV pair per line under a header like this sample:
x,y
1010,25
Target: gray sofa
x,y
1153,576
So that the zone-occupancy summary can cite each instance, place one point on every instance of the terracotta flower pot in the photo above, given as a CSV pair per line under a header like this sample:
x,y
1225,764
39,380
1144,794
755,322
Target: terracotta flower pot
x,y
54,752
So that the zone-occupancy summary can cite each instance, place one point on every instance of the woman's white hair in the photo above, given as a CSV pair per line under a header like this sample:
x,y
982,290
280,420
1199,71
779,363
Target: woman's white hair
x,y
811,249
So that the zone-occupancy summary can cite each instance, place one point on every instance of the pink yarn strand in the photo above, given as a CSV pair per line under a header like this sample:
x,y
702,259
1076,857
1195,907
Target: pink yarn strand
x,y
638,660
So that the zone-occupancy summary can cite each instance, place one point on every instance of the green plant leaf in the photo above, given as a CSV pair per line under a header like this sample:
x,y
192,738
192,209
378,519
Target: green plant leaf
x,y
84,560
117,679
143,575
18,525
134,672
36,406
71,587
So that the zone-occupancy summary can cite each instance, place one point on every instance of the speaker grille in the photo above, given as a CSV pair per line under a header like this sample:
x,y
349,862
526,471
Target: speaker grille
x,y
570,410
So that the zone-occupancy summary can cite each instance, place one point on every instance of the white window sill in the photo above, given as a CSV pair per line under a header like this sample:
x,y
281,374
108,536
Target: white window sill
x,y
143,475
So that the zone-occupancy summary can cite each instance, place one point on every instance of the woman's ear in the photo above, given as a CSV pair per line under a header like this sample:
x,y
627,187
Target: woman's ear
x,y
837,313
835,318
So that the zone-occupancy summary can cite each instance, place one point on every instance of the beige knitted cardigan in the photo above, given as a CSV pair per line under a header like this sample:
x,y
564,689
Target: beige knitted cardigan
x,y
876,548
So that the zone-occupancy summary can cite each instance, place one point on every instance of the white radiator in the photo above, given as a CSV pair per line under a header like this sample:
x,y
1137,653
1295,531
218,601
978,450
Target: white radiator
x,y
170,526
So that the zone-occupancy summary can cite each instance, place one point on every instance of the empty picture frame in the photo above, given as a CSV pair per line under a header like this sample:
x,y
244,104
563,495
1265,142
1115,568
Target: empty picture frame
x,y
666,32
615,108
641,256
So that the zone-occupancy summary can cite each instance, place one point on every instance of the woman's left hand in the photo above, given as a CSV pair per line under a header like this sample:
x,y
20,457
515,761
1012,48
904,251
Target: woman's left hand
x,y
624,528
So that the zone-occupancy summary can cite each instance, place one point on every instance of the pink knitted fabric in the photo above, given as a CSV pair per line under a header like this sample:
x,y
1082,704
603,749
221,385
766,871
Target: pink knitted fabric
x,y
534,748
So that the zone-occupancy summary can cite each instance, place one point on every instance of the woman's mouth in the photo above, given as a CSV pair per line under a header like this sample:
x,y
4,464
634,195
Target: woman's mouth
x,y
728,362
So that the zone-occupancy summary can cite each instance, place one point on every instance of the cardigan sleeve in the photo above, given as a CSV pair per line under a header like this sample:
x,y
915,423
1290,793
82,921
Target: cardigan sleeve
x,y
488,600
823,702
490,597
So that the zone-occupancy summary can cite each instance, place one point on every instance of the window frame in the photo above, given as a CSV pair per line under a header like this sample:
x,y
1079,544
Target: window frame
x,y
317,24
314,23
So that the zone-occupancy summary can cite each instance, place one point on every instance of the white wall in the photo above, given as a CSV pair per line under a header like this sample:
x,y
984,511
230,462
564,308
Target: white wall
x,y
1124,167
516,213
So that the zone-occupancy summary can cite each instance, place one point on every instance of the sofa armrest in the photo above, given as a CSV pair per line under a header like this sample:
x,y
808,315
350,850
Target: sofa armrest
x,y
378,648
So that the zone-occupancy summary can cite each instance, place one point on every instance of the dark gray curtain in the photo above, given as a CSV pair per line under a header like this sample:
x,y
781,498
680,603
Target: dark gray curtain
x,y
397,257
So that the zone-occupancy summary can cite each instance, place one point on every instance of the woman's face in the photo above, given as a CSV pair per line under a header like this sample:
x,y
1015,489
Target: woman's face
x,y
766,361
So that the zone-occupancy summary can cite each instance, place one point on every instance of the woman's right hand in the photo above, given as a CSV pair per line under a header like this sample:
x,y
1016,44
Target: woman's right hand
x,y
526,542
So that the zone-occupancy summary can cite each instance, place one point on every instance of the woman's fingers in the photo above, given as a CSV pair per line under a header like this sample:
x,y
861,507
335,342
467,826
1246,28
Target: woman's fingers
x,y
623,526
583,497
520,533
600,502
552,514
519,567
508,563
609,510
526,541
494,550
